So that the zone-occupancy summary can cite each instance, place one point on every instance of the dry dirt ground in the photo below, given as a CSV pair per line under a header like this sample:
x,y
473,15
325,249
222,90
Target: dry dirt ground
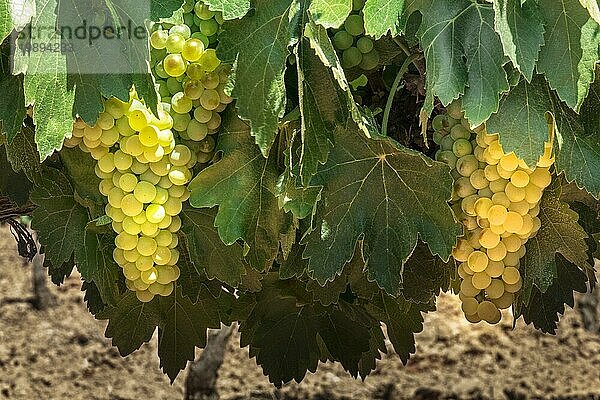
x,y
62,354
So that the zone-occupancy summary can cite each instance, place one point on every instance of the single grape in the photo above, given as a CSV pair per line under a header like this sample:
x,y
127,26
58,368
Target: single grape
x,y
354,25
342,40
351,57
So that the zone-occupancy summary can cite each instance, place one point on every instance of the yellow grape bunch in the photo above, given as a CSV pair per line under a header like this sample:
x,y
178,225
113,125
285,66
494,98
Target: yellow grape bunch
x,y
144,173
496,197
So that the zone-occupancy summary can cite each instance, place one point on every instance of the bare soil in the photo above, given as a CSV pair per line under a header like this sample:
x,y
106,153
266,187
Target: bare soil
x,y
62,353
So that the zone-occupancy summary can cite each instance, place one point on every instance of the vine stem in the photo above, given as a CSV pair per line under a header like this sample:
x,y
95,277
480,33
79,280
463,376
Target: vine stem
x,y
390,100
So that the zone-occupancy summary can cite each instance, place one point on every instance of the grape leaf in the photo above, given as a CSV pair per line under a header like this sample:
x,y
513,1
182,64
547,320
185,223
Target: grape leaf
x,y
330,13
182,328
209,254
80,168
95,263
58,273
382,17
559,233
402,318
579,142
45,84
258,44
14,15
323,105
592,7
463,55
377,346
424,275
92,298
12,101
23,155
571,42
521,29
231,9
14,185
284,332
520,119
242,184
388,195
131,323
577,145
544,307
59,220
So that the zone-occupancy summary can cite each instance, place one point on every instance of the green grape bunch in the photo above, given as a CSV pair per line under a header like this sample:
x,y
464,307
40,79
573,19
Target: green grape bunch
x,y
190,76
355,48
496,198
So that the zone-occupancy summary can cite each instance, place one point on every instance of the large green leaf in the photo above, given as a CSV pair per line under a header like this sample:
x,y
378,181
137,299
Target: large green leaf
x,y
45,83
323,106
242,184
402,318
382,17
23,155
59,220
463,55
208,253
12,101
545,307
231,9
14,15
522,126
288,334
386,194
258,44
182,328
330,13
570,52
521,29
520,119
131,322
559,233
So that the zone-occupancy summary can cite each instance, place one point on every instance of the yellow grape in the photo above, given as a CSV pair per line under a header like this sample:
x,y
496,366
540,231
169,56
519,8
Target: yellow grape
x,y
520,179
149,276
144,263
131,227
513,222
489,239
495,289
131,206
481,280
521,207
515,194
162,255
501,198
131,272
144,295
515,287
155,213
511,259
509,162
469,305
504,301
533,194
477,261
495,269
468,289
511,275
126,241
144,192
478,179
498,185
150,229
540,177
504,174
497,253
497,215
128,182
512,243
488,312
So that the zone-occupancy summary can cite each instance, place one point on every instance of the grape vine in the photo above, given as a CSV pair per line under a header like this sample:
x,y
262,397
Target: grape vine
x,y
224,168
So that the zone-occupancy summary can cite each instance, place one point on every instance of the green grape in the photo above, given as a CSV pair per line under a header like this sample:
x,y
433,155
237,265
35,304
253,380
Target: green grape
x,y
193,89
439,122
155,213
209,60
174,65
488,312
180,103
175,43
131,227
182,30
463,187
196,131
364,44
462,147
181,121
209,27
202,11
351,58
211,80
447,143
370,60
188,19
144,192
466,165
207,145
192,49
342,40
202,115
454,110
126,241
354,25
460,132
159,38
131,206
162,256
210,99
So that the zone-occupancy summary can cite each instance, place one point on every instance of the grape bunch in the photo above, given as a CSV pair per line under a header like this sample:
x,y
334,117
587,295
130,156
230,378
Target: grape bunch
x,y
356,49
496,198
190,76
144,173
